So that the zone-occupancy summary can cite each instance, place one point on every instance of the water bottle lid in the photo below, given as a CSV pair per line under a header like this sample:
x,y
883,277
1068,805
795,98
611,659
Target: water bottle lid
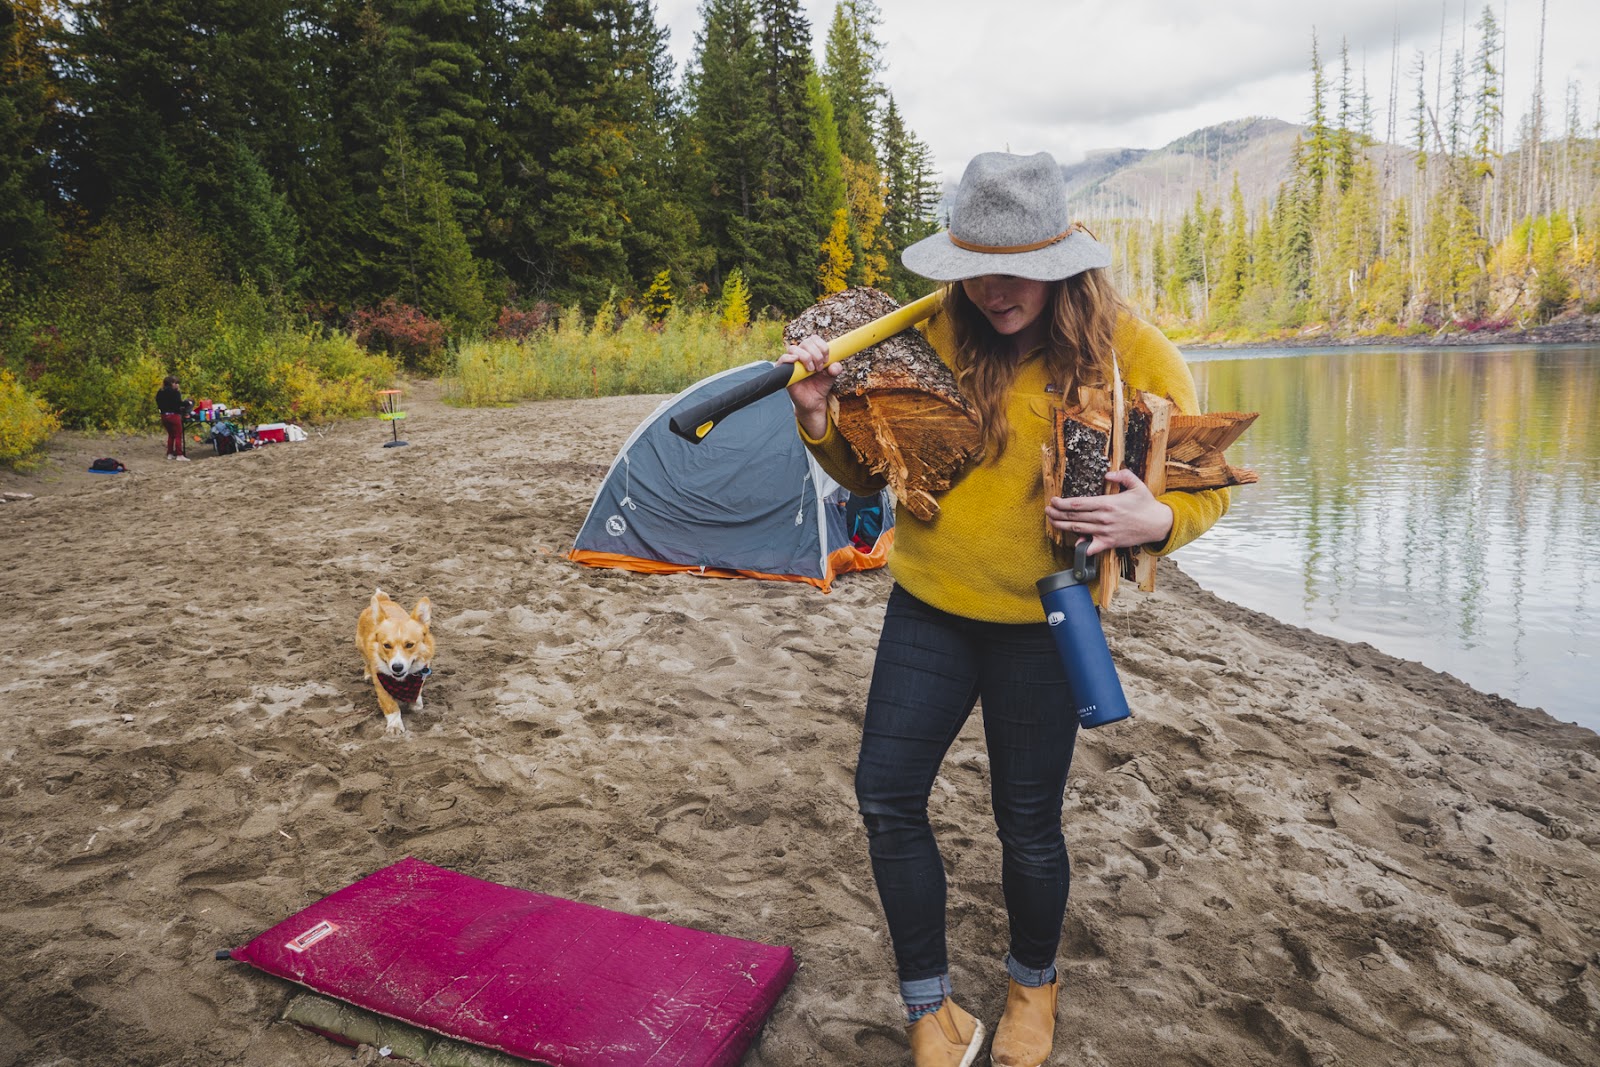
x,y
1085,569
1059,580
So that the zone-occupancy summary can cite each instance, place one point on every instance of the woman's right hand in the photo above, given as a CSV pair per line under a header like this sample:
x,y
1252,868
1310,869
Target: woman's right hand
x,y
810,395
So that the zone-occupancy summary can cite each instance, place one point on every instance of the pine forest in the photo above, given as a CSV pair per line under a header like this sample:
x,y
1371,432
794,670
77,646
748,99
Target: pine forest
x,y
288,201
1444,224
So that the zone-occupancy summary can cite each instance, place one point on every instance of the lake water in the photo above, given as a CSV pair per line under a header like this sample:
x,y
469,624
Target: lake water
x,y
1441,504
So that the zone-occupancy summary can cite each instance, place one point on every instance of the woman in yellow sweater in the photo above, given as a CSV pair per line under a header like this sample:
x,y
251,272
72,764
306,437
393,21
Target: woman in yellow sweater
x,y
1029,317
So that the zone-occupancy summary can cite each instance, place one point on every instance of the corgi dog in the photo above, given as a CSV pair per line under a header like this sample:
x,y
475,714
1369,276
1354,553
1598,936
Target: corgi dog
x,y
396,653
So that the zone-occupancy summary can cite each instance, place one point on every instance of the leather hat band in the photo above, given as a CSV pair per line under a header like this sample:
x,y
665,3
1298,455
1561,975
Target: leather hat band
x,y
1004,250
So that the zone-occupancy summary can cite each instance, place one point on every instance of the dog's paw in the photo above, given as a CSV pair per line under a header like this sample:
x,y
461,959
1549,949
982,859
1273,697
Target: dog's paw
x,y
393,725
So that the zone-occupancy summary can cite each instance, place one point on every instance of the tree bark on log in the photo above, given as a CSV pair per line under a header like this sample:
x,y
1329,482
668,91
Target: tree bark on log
x,y
896,403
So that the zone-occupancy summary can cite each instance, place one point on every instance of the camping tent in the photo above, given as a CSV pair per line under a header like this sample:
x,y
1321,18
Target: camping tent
x,y
747,501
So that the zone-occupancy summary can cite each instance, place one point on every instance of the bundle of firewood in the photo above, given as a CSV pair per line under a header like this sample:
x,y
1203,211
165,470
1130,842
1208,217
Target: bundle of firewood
x,y
1108,431
896,402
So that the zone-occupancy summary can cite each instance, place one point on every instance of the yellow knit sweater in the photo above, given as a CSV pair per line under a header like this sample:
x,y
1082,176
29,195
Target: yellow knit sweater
x,y
981,554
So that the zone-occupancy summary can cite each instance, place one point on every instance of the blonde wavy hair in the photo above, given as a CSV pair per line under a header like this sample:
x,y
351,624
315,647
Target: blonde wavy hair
x,y
1083,310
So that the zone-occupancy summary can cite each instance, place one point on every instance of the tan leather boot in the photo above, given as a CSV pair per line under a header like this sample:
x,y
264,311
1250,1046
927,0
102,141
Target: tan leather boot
x,y
948,1037
1028,1027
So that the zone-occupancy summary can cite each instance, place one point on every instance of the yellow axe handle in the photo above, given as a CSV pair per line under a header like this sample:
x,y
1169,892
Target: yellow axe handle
x,y
694,422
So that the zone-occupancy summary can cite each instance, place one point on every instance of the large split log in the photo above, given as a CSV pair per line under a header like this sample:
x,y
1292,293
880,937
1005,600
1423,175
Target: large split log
x,y
896,403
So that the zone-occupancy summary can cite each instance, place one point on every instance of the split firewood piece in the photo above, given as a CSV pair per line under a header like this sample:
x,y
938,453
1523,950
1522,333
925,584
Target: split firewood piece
x,y
896,402
1154,419
1195,445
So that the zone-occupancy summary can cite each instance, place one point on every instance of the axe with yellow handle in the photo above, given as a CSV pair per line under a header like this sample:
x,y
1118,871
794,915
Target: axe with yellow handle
x,y
697,420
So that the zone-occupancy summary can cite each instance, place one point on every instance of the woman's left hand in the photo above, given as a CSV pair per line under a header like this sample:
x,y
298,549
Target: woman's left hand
x,y
1131,517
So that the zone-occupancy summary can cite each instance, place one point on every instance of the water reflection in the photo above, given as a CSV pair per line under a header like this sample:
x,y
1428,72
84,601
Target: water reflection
x,y
1442,504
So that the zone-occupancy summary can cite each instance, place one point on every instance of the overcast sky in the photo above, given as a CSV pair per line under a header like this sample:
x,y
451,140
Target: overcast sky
x,y
1065,76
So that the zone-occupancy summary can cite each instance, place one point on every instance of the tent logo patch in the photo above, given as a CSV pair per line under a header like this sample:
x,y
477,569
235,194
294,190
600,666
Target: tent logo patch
x,y
616,526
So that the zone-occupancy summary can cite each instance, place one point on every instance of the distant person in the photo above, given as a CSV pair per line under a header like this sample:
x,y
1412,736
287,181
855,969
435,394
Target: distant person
x,y
1028,315
170,402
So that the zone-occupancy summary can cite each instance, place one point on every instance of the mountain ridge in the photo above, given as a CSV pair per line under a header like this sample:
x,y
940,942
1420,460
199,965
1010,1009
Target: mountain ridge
x,y
1162,182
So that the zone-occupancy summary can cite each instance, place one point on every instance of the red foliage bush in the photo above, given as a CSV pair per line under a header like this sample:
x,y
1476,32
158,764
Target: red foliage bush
x,y
519,324
1492,325
401,330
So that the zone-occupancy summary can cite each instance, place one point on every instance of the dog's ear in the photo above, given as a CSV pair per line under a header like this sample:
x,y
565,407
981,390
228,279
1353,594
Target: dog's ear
x,y
423,612
378,597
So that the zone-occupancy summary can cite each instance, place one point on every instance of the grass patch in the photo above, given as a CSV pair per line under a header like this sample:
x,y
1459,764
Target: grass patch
x,y
577,359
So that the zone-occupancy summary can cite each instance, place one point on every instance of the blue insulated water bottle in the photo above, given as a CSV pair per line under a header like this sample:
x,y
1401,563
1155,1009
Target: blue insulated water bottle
x,y
1075,624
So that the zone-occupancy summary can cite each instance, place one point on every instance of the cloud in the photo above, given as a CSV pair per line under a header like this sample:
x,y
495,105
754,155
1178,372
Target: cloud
x,y
1074,76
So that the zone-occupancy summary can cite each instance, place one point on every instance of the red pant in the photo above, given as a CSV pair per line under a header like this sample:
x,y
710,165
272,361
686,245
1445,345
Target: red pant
x,y
174,424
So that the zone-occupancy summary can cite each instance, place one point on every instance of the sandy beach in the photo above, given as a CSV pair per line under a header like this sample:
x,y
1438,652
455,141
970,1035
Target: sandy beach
x,y
1299,851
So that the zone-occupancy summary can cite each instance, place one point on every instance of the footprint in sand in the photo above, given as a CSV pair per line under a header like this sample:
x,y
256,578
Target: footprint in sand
x,y
152,1002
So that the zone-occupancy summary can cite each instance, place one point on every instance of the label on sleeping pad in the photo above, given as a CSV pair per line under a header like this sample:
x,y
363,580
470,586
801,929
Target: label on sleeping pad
x,y
310,937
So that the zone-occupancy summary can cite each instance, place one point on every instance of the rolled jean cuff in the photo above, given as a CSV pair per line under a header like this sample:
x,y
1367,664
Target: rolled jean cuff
x,y
926,990
1028,976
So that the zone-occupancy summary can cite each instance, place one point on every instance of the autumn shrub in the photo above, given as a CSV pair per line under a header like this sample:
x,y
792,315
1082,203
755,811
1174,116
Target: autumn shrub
x,y
281,374
26,423
404,333
519,324
96,395
314,377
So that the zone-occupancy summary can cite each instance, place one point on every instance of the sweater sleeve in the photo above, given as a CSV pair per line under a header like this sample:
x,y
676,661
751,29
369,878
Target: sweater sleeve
x,y
1156,366
836,456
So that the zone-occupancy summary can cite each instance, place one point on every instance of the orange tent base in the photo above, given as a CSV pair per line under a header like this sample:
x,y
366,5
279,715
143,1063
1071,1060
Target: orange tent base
x,y
840,561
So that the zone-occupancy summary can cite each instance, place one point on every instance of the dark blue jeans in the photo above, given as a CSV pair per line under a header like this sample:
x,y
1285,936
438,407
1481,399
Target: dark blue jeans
x,y
932,667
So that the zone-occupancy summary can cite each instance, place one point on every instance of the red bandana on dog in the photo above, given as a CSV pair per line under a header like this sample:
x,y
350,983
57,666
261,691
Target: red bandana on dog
x,y
405,689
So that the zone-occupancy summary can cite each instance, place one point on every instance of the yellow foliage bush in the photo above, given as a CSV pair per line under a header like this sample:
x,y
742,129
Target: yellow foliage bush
x,y
26,423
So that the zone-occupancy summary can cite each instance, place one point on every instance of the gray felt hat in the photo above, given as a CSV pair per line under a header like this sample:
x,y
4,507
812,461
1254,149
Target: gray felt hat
x,y
1009,216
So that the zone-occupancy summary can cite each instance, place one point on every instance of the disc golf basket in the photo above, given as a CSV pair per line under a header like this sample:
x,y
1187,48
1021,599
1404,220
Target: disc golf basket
x,y
389,411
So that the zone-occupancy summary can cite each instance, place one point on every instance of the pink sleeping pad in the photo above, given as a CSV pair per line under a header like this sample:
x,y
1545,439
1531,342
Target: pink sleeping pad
x,y
546,979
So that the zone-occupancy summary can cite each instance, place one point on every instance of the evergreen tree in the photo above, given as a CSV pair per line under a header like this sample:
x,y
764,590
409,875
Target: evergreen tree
x,y
586,197
828,164
661,227
28,97
790,215
850,74
1344,138
441,90
910,193
1158,275
427,260
1486,111
167,91
1456,124
1294,224
254,225
728,129
350,79
1233,272
1318,152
